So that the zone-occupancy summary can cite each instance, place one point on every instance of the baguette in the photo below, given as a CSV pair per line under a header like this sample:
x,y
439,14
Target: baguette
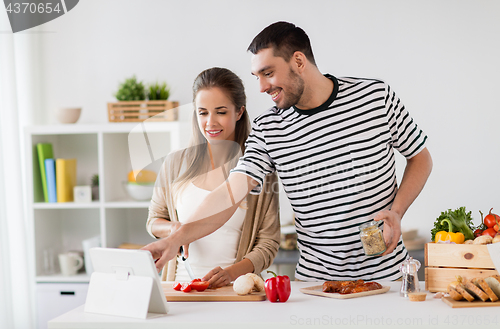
x,y
494,283
474,291
481,283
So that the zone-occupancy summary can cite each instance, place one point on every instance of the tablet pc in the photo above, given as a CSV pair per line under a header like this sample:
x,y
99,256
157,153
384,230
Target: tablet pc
x,y
127,263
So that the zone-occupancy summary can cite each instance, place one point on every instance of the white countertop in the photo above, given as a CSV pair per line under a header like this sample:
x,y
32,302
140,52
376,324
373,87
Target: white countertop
x,y
387,310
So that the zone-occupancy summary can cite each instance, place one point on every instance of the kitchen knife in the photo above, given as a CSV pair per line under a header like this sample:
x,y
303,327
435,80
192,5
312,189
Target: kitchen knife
x,y
186,264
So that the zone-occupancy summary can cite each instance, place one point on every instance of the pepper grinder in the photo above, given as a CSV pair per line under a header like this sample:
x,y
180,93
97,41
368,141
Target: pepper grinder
x,y
410,282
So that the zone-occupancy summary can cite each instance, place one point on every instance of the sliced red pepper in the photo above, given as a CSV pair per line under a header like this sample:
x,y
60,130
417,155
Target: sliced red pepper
x,y
278,288
186,287
200,285
177,286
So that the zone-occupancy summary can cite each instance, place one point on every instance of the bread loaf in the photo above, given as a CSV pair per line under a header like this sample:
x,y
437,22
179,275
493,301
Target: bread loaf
x,y
484,286
494,284
474,290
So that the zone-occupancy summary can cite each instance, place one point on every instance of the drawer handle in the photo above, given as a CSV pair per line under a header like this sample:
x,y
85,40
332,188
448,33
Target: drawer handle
x,y
71,293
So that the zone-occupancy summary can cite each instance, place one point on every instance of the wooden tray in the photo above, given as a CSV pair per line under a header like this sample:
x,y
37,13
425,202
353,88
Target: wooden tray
x,y
318,291
463,303
224,294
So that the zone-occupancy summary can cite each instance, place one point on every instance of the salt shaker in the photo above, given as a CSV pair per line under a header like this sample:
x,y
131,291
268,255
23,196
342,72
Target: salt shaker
x,y
410,283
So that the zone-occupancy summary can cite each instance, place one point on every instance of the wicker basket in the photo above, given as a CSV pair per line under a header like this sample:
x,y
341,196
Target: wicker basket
x,y
137,111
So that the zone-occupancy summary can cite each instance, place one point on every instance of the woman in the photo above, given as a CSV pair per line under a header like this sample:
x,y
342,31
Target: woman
x,y
249,241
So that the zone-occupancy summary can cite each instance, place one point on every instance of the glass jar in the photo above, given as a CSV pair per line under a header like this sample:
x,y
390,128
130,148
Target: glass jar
x,y
372,239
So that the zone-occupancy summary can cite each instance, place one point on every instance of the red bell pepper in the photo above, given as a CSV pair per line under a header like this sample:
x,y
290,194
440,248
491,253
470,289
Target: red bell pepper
x,y
278,288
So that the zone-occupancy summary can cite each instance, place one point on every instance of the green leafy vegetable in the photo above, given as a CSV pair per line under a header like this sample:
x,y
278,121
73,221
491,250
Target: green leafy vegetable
x,y
461,222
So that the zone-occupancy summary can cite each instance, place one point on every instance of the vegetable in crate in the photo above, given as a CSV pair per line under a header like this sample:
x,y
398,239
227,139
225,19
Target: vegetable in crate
x,y
443,236
480,229
461,221
491,220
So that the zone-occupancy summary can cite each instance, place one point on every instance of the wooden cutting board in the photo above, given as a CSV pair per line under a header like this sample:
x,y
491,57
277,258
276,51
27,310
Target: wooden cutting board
x,y
224,294
463,303
318,291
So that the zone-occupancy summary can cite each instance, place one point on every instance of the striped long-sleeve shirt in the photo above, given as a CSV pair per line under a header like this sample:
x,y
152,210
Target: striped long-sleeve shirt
x,y
337,166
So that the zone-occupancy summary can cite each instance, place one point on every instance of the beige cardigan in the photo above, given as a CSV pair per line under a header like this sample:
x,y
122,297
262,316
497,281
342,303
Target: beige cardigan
x,y
260,235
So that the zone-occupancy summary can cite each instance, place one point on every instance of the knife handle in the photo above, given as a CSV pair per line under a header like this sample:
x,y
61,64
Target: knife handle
x,y
181,250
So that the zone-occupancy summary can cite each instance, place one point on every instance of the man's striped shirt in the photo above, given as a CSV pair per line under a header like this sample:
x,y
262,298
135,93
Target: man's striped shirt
x,y
337,166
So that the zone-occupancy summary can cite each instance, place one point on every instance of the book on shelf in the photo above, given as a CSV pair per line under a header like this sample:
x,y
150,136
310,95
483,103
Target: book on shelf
x,y
44,151
65,179
50,173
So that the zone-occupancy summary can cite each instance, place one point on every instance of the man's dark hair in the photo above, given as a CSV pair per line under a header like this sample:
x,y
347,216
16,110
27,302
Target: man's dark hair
x,y
285,39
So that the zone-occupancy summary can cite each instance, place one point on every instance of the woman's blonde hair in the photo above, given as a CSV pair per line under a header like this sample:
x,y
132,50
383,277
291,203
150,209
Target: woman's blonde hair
x,y
196,158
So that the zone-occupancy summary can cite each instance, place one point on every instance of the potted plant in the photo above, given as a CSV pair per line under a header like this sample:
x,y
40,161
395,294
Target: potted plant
x,y
133,106
131,90
158,92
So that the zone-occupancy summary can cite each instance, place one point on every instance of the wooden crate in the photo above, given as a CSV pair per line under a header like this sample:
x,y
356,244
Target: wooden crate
x,y
137,111
444,262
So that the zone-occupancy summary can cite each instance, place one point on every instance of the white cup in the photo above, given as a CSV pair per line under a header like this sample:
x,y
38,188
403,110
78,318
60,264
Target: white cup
x,y
70,263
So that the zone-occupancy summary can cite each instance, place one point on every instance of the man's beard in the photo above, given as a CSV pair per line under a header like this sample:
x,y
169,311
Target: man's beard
x,y
294,93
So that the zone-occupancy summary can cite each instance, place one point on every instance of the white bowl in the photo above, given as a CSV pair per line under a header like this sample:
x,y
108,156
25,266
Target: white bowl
x,y
69,115
140,192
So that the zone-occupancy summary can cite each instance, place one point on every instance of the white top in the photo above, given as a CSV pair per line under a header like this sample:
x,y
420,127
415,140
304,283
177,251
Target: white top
x,y
216,249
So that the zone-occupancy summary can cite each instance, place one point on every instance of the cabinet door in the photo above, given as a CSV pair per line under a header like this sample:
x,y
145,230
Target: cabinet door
x,y
54,299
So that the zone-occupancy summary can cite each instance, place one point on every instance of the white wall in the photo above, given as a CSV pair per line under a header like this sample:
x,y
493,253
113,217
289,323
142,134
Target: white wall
x,y
441,57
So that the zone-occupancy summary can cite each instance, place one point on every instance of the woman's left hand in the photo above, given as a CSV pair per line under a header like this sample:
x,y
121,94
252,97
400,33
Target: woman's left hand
x,y
217,278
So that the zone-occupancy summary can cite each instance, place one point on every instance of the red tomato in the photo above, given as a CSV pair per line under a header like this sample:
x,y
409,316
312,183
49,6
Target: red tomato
x,y
195,280
478,232
177,286
491,219
491,232
186,287
200,285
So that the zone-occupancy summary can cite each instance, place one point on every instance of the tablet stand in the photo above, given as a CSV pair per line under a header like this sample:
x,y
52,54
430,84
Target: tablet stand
x,y
120,293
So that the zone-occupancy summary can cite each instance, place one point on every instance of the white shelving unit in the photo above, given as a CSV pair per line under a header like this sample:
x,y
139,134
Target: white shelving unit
x,y
116,218
104,150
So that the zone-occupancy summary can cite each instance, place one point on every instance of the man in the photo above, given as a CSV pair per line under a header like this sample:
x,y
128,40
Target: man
x,y
331,141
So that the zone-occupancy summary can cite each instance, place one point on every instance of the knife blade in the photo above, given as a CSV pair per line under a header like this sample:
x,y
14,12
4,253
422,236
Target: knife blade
x,y
186,264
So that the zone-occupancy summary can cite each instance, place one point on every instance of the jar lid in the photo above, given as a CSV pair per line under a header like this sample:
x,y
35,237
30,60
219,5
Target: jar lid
x,y
410,265
370,224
